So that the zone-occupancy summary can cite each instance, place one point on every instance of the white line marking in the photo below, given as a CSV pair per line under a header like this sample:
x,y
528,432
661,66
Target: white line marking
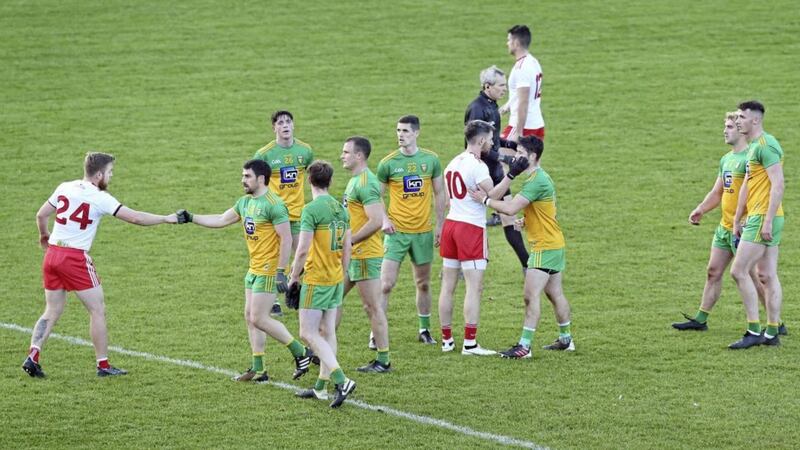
x,y
425,420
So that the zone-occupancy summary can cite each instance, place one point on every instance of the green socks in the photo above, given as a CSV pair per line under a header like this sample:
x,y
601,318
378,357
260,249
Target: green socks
x,y
754,327
701,316
320,384
296,348
564,331
258,362
772,329
424,322
527,337
383,355
338,376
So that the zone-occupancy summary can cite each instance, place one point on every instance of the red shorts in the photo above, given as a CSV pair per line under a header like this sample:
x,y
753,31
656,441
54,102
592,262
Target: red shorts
x,y
463,241
70,269
538,132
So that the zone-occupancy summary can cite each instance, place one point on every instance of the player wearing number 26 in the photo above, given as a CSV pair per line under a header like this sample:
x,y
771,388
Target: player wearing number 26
x,y
78,206
463,244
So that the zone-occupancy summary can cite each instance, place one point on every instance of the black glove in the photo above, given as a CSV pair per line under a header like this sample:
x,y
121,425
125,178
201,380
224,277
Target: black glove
x,y
293,296
184,216
282,284
517,166
506,159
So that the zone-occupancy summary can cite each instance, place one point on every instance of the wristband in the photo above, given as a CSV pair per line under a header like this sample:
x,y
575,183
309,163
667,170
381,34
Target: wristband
x,y
486,200
510,177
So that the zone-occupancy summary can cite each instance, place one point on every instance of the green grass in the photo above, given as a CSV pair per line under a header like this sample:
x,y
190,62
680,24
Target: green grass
x,y
634,99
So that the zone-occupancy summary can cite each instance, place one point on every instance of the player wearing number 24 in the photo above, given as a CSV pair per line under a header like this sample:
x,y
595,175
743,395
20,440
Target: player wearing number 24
x,y
78,206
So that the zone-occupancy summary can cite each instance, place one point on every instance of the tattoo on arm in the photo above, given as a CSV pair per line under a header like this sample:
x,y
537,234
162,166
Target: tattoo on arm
x,y
38,332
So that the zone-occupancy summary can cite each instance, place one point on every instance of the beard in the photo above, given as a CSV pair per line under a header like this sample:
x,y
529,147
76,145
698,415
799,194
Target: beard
x,y
247,189
102,184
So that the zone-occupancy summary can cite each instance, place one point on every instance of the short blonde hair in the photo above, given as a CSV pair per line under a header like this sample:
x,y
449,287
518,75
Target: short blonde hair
x,y
96,162
731,116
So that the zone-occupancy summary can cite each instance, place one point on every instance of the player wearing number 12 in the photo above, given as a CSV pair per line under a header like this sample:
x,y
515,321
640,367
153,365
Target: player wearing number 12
x,y
524,89
463,244
323,251
79,205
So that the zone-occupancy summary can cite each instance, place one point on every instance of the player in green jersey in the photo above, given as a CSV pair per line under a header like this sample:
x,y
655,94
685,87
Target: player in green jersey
x,y
413,177
546,263
760,202
265,222
725,194
288,158
363,201
323,251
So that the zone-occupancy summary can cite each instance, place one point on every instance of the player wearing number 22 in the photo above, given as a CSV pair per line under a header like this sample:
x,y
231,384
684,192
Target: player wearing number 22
x,y
79,205
463,244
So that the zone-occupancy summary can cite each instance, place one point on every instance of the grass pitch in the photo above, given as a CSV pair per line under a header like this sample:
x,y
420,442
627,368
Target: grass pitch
x,y
634,99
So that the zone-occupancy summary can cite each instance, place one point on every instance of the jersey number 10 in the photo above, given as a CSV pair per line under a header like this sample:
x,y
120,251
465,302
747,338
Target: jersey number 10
x,y
455,185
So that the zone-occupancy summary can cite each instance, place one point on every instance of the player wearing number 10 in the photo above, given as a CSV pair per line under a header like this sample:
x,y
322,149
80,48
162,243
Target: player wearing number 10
x,y
463,244
79,205
323,251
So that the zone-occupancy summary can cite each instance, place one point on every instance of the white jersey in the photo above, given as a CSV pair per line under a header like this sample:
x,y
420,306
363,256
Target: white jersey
x,y
79,206
465,172
526,73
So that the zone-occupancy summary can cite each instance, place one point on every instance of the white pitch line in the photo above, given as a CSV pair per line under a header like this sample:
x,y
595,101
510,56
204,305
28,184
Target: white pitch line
x,y
425,420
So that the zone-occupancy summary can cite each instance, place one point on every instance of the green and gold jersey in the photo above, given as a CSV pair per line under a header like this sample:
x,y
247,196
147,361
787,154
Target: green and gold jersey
x,y
732,168
362,190
541,226
410,188
328,220
762,153
259,215
288,172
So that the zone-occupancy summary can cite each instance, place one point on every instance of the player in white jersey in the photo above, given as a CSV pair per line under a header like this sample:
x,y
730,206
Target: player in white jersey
x,y
463,243
78,206
524,89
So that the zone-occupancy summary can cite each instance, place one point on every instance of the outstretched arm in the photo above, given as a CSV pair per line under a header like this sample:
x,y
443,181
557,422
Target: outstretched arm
x,y
143,218
510,207
216,220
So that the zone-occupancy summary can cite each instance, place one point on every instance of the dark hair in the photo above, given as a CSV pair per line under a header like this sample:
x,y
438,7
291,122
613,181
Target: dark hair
x,y
521,33
260,168
752,105
277,114
475,128
532,144
361,145
320,173
96,162
411,120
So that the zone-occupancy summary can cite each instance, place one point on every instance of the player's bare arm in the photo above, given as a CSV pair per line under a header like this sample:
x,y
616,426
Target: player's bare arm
x,y
42,219
144,218
441,207
347,249
300,255
775,174
711,201
741,207
375,214
387,226
229,217
510,207
523,93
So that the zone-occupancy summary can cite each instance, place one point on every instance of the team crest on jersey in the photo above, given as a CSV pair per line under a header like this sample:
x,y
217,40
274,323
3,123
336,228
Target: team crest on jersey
x,y
288,174
287,159
727,178
412,167
412,183
424,167
249,225
300,159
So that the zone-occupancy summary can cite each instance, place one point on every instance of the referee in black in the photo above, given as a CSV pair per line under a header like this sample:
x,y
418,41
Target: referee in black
x,y
484,107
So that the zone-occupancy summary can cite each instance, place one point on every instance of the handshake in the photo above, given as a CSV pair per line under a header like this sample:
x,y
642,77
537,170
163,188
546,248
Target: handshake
x,y
184,216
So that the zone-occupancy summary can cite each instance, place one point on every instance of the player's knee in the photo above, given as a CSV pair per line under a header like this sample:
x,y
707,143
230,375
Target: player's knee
x,y
714,273
387,286
739,273
423,286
